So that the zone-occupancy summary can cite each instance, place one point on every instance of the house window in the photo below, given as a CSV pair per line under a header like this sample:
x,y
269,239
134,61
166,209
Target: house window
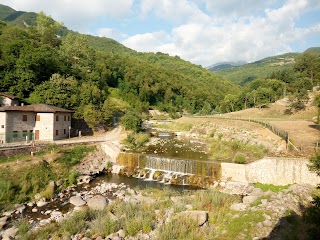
x,y
64,131
2,126
15,134
24,118
37,117
57,132
57,118
65,118
68,118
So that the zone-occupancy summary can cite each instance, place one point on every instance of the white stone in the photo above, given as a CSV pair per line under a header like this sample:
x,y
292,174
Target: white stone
x,y
9,233
34,210
249,199
121,233
238,206
41,203
37,196
200,216
77,201
267,223
98,202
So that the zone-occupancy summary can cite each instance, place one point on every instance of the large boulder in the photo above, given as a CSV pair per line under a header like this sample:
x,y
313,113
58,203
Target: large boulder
x,y
97,202
201,217
10,233
77,201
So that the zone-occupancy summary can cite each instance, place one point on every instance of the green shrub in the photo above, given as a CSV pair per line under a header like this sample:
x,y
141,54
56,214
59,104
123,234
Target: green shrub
x,y
182,229
271,187
72,156
103,224
136,140
240,159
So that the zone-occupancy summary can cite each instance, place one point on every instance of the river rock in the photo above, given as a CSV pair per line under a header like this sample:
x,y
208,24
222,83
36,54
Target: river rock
x,y
9,233
8,213
3,222
41,203
200,216
20,208
249,199
121,233
84,179
77,201
257,192
238,206
37,196
34,210
98,202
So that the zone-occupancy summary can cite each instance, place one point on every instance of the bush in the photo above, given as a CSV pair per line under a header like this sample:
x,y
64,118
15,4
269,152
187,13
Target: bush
x,y
240,159
136,140
132,121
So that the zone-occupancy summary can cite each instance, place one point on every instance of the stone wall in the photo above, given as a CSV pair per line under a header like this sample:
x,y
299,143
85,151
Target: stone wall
x,y
277,171
20,150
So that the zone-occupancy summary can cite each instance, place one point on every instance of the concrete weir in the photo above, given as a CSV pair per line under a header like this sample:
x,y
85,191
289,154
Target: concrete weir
x,y
277,171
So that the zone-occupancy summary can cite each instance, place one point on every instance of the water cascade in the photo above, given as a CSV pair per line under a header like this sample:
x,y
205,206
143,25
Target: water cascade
x,y
169,170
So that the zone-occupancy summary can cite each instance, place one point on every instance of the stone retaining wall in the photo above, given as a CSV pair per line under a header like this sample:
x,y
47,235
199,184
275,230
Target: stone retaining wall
x,y
277,171
9,152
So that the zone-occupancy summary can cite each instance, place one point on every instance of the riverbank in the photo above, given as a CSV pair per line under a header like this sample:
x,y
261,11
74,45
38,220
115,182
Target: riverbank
x,y
227,210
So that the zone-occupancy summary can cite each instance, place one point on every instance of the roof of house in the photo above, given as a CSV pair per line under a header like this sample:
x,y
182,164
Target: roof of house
x,y
8,95
38,108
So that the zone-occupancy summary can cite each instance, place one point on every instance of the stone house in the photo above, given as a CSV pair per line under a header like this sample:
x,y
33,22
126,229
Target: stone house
x,y
33,122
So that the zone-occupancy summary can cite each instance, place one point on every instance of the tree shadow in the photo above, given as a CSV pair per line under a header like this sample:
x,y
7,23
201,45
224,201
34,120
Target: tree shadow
x,y
315,126
293,226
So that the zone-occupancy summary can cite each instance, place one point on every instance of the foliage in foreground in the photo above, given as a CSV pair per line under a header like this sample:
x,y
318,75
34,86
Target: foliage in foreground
x,y
20,185
312,214
135,218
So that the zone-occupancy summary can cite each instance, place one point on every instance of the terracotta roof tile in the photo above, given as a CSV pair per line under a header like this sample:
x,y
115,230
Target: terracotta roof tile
x,y
8,95
44,108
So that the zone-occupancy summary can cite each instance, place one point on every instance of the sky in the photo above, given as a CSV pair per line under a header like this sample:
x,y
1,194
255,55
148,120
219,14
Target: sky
x,y
203,32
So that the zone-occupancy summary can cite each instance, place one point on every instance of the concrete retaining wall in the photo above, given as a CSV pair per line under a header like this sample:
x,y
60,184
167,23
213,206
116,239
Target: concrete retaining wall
x,y
277,171
111,150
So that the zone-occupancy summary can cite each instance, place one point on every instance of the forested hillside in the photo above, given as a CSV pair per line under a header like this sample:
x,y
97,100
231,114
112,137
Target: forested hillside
x,y
294,81
90,75
259,69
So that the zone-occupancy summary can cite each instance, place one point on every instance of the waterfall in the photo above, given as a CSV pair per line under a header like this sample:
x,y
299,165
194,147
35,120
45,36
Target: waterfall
x,y
173,166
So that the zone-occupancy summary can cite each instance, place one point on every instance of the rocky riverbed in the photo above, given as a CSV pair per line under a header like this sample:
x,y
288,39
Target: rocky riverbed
x,y
275,207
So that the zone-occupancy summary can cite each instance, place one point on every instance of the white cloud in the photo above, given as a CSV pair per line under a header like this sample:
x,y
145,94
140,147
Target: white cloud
x,y
110,33
248,39
76,14
168,10
148,42
204,32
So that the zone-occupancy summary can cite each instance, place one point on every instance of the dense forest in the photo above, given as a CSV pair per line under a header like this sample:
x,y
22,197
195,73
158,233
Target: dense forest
x,y
43,62
96,77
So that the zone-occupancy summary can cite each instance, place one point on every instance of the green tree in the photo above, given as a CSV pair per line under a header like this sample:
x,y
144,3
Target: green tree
x,y
58,91
132,121
308,64
48,29
317,104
